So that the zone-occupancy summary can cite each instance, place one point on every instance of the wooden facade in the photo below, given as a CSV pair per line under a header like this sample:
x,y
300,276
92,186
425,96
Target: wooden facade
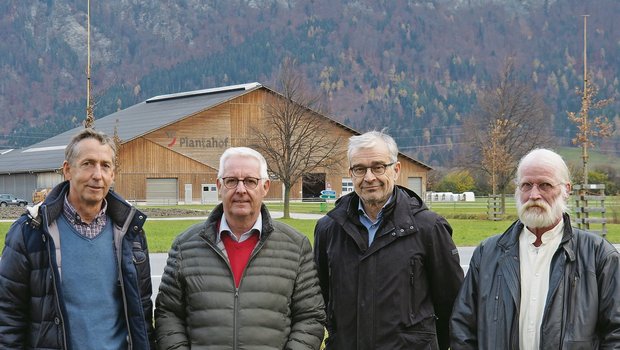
x,y
188,150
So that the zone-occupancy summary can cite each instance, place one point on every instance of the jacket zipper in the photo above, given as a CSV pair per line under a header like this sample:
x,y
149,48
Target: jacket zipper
x,y
119,256
411,288
217,250
235,313
259,245
232,277
54,282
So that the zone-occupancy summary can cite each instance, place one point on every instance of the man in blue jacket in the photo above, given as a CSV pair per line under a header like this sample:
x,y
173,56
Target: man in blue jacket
x,y
75,270
541,284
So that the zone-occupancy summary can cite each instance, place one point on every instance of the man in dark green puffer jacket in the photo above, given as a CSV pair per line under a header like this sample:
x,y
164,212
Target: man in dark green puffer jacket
x,y
240,280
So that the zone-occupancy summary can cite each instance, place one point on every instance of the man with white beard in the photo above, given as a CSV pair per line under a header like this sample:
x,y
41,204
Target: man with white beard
x,y
542,284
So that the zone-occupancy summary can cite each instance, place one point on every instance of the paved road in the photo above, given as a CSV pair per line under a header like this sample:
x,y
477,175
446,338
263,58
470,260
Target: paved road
x,y
158,261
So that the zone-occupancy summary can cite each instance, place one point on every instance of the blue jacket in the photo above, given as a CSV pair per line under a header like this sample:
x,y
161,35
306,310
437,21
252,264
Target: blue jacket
x,y
582,310
32,312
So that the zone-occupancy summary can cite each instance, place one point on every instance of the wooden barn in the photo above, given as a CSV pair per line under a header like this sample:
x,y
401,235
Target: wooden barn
x,y
171,146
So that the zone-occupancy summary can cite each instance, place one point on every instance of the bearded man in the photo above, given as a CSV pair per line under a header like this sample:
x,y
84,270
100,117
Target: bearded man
x,y
541,284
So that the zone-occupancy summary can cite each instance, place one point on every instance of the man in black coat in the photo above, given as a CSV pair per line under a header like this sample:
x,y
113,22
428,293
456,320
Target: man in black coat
x,y
388,268
542,284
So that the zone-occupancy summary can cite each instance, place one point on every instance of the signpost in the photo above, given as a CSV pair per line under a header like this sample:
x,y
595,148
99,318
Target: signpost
x,y
328,194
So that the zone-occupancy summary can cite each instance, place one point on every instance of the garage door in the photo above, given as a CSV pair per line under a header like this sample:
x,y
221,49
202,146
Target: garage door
x,y
415,184
162,191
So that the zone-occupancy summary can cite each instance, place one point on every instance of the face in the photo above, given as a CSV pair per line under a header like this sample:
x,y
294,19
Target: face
x,y
542,206
91,173
242,203
374,190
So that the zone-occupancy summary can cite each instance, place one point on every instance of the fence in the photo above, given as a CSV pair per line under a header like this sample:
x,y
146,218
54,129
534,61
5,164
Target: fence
x,y
590,200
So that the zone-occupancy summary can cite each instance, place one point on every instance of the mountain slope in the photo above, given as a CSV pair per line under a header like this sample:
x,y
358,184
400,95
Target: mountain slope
x,y
414,67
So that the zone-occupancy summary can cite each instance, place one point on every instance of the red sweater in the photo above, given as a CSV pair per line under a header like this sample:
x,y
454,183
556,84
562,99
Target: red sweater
x,y
239,254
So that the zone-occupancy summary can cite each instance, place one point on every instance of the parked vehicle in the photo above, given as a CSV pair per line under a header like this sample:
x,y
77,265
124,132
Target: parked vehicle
x,y
9,199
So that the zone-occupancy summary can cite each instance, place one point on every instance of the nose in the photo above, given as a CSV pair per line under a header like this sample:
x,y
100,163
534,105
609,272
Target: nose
x,y
369,175
97,171
535,192
240,187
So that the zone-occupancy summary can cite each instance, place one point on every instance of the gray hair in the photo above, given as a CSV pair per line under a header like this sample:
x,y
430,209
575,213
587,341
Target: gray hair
x,y
243,152
547,158
370,140
72,151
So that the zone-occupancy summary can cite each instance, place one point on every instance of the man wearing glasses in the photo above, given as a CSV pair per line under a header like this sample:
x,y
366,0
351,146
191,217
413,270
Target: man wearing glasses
x,y
240,280
541,284
388,268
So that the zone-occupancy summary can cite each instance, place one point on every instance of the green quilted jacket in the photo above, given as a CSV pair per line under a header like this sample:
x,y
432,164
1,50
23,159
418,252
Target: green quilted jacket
x,y
278,304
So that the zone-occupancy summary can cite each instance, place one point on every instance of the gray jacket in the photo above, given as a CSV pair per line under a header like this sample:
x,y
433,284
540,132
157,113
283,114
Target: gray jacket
x,y
278,304
583,304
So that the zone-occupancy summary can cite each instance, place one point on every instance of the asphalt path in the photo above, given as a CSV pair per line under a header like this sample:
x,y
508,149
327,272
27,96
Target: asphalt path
x,y
158,262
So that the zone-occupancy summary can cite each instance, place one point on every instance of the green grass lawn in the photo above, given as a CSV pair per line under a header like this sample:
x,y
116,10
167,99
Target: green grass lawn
x,y
466,232
468,220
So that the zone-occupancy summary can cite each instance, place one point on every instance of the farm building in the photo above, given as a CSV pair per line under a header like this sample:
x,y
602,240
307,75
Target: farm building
x,y
171,144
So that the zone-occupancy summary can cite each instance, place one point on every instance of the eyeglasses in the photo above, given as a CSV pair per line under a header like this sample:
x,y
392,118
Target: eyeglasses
x,y
360,171
232,182
542,187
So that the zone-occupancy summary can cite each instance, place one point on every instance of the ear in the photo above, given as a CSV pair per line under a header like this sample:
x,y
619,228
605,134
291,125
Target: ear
x,y
266,185
66,167
569,188
396,170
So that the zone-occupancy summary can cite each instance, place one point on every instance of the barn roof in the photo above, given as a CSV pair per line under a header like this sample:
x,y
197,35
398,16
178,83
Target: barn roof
x,y
131,123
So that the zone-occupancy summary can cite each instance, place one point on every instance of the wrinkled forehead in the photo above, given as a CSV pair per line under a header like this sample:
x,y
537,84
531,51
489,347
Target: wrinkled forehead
x,y
242,164
533,170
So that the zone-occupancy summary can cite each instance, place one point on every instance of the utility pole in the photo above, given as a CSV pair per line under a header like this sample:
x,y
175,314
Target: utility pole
x,y
90,118
590,198
585,101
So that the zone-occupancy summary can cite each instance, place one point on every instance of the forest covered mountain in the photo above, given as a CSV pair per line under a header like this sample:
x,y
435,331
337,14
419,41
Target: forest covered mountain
x,y
413,66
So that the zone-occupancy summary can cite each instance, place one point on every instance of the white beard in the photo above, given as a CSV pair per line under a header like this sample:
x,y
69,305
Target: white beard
x,y
539,214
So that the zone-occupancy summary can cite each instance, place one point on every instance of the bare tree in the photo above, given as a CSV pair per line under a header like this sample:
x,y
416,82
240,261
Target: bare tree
x,y
587,130
495,157
294,137
509,120
118,143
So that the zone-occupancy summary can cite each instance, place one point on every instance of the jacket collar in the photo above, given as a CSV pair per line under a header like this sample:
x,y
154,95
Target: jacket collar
x,y
510,237
508,243
405,203
211,225
118,209
398,218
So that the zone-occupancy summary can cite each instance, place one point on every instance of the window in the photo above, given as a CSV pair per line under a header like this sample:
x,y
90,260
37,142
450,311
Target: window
x,y
347,185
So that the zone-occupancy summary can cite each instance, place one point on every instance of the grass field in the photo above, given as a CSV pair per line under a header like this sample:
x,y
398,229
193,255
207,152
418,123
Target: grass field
x,y
468,220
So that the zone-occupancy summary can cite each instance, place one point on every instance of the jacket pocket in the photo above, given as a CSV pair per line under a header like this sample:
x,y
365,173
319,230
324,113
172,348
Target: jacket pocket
x,y
139,256
581,345
419,336
572,297
416,285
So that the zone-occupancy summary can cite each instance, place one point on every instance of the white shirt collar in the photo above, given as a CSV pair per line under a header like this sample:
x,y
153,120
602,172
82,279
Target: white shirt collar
x,y
224,228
